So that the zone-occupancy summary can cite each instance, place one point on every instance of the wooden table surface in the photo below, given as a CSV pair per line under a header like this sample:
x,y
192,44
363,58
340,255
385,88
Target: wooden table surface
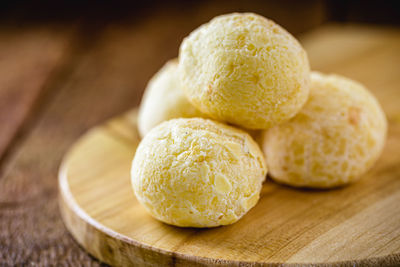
x,y
58,81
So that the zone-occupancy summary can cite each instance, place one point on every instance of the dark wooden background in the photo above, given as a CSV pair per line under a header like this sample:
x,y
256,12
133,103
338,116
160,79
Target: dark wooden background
x,y
66,66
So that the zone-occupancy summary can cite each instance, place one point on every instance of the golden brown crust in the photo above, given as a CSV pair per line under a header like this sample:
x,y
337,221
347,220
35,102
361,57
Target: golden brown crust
x,y
164,99
336,137
244,69
197,172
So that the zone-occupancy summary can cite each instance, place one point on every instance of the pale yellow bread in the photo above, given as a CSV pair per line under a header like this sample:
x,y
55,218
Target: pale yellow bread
x,y
244,69
332,141
197,173
164,99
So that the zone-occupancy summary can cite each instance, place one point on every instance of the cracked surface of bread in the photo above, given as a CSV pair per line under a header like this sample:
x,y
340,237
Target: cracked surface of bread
x,y
164,99
197,173
332,141
244,69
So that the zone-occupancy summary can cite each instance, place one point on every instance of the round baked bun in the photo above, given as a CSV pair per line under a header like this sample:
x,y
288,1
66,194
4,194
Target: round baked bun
x,y
332,141
164,99
197,173
244,69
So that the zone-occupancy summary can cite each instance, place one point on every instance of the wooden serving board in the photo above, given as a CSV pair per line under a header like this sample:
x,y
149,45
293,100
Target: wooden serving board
x,y
356,224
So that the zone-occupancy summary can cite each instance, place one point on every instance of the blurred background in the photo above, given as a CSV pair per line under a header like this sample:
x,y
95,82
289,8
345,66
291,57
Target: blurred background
x,y
297,16
161,25
66,66
157,27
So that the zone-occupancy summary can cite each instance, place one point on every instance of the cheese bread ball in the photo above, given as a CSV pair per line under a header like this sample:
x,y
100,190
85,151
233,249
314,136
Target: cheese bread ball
x,y
197,173
163,99
244,69
334,139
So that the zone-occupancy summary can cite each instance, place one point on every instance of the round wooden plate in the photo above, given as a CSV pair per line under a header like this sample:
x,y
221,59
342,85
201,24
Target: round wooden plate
x,y
358,224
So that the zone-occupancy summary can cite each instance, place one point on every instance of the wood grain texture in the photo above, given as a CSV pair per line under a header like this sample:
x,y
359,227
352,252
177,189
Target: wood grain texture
x,y
358,224
27,58
94,83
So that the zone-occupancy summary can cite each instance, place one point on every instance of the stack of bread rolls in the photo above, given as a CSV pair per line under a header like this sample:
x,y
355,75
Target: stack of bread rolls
x,y
238,77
